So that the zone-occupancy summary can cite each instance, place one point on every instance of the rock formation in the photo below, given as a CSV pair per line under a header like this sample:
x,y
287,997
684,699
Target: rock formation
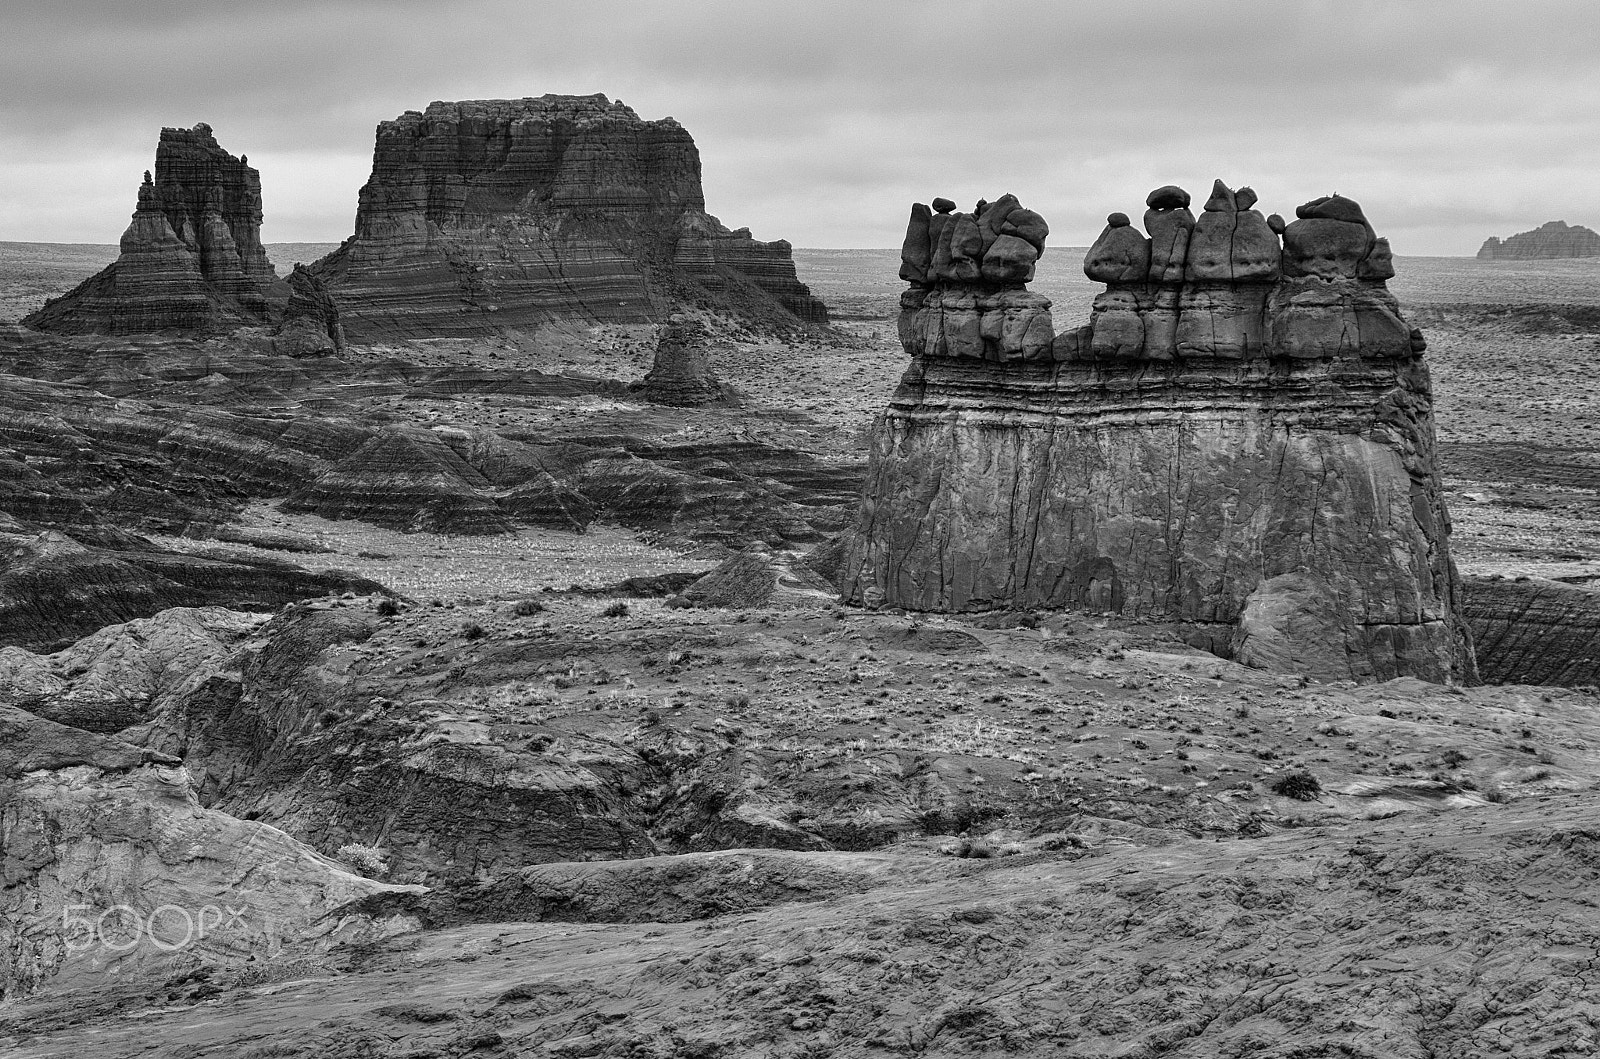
x,y
191,259
1241,441
1534,631
506,214
311,325
1551,239
681,374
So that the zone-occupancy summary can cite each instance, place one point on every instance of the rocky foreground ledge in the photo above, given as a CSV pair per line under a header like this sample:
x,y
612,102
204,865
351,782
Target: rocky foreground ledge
x,y
1240,441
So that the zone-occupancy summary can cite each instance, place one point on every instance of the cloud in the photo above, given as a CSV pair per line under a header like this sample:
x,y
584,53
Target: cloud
x,y
821,122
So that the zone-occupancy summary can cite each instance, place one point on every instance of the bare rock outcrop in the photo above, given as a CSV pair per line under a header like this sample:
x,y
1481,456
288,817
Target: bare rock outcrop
x,y
681,372
54,588
191,260
1552,239
490,215
1534,631
112,867
1241,441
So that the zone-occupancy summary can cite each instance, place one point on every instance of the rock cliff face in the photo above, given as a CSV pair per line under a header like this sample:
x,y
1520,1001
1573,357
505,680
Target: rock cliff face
x,y
496,214
1550,239
191,259
1240,441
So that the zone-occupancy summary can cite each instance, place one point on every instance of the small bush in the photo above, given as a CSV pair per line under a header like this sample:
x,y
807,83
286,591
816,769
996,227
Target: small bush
x,y
618,609
370,860
473,631
527,608
1301,786
387,608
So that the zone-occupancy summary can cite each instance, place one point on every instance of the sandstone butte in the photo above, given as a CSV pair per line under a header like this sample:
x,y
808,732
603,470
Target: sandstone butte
x,y
494,215
1240,441
191,260
1550,239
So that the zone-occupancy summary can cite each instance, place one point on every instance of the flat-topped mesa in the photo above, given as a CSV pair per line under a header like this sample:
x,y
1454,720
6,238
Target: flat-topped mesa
x,y
1240,442
491,215
968,275
1552,239
191,259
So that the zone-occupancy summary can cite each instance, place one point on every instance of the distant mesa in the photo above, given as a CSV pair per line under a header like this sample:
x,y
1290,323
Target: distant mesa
x,y
479,218
1240,441
191,259
493,215
1553,239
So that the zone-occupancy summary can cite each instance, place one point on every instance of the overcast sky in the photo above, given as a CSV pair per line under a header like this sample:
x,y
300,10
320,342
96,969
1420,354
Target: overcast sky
x,y
820,121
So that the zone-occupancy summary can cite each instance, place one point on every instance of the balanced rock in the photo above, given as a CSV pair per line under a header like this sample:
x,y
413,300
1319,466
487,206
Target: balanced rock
x,y
1240,443
191,259
1120,255
681,374
972,302
1552,239
1168,222
503,214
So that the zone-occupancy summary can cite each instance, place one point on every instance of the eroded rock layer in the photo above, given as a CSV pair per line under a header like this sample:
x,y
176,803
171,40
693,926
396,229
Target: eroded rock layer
x,y
191,260
1241,441
1533,631
495,214
681,372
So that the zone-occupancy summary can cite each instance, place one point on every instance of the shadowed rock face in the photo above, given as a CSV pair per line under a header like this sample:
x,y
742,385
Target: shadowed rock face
x,y
191,259
1550,240
1241,441
494,214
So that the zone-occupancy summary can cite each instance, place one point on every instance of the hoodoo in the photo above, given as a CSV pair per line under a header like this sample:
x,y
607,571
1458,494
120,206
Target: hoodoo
x,y
1240,441
508,214
191,259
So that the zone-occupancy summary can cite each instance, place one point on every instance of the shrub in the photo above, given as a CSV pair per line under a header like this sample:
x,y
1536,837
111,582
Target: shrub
x,y
527,608
473,631
1301,786
387,608
370,860
618,609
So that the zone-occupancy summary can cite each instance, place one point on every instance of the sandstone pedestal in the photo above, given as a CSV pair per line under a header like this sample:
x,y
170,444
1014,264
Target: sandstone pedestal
x,y
1240,443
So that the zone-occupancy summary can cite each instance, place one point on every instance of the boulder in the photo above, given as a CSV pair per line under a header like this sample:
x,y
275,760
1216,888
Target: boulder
x,y
1120,255
1168,222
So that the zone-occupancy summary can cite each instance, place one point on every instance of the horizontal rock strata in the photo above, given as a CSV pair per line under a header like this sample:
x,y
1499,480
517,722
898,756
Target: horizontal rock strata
x,y
505,214
681,372
191,260
1552,239
1240,441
